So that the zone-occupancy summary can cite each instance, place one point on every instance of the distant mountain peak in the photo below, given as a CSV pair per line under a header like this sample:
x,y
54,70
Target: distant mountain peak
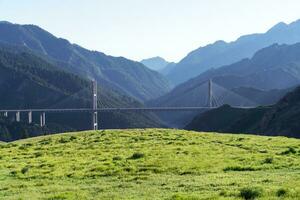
x,y
155,63
219,42
279,26
5,22
154,58
295,23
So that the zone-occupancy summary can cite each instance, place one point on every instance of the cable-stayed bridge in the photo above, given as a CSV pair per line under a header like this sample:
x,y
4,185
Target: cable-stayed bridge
x,y
212,96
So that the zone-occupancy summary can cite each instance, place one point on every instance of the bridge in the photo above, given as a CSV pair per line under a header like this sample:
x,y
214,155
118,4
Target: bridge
x,y
212,102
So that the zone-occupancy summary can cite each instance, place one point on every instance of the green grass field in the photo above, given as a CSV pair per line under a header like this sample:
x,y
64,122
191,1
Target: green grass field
x,y
150,164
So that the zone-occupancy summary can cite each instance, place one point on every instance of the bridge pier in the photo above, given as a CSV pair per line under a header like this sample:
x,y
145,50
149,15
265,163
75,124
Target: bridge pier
x,y
29,117
5,114
42,119
18,116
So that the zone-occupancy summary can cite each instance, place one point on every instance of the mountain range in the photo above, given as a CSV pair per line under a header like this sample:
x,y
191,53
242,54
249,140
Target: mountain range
x,y
39,70
222,53
272,68
261,80
117,73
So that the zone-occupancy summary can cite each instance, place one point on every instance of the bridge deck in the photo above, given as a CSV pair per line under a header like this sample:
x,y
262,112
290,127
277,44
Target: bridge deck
x,y
149,109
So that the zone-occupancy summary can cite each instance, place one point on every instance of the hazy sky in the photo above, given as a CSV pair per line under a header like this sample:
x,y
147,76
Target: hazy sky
x,y
144,28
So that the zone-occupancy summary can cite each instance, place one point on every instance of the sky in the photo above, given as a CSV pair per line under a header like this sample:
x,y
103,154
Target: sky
x,y
139,29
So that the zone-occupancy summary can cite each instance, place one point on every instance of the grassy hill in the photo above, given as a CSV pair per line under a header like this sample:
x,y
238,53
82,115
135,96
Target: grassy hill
x,y
150,164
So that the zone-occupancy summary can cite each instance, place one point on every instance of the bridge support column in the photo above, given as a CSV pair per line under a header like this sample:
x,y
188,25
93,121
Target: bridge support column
x,y
17,116
5,114
95,121
95,113
29,117
43,119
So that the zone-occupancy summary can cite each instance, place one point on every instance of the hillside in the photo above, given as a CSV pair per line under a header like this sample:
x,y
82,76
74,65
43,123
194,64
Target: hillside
x,y
118,73
228,119
167,69
222,53
150,164
279,119
28,81
262,97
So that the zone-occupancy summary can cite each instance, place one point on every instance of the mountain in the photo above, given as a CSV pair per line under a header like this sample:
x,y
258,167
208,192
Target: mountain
x,y
280,119
155,63
262,97
29,81
125,76
276,67
167,69
222,53
229,120
159,64
261,80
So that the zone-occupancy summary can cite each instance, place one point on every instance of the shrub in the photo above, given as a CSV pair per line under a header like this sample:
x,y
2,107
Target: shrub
x,y
117,158
239,168
64,140
250,193
24,170
57,197
38,154
13,173
268,160
223,193
290,150
281,192
73,138
45,141
183,197
137,156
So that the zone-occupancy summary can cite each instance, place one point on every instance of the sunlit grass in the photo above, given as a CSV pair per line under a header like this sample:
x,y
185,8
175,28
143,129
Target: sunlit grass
x,y
150,164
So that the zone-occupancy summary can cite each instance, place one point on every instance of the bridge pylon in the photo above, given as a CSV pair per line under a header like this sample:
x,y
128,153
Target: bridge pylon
x,y
95,107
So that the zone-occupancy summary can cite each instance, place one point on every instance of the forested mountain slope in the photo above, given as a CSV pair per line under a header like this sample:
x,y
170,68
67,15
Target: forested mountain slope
x,y
118,73
28,81
280,119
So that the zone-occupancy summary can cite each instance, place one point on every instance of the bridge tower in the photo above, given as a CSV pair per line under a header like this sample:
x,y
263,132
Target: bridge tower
x,y
95,106
210,103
